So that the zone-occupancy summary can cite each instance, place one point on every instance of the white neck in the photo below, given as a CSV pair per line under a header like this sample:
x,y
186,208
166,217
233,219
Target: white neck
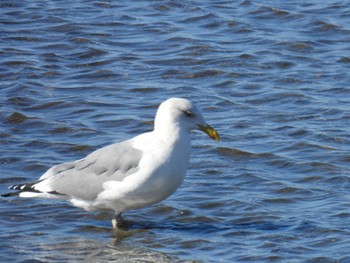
x,y
171,133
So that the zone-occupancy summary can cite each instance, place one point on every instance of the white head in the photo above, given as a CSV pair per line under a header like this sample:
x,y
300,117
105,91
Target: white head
x,y
182,113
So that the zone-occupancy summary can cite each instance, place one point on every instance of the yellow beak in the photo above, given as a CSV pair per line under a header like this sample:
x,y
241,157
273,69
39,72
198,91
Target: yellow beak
x,y
210,131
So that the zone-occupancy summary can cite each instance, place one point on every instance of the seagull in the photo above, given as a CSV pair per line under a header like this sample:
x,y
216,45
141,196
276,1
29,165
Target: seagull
x,y
130,174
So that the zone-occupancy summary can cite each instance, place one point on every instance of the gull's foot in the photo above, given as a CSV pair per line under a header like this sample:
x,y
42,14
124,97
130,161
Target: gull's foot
x,y
118,222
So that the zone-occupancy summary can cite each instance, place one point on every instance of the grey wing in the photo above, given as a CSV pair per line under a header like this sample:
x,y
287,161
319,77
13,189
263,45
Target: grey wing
x,y
84,178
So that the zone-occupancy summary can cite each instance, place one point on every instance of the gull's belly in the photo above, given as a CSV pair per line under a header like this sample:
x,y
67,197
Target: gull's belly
x,y
156,188
157,185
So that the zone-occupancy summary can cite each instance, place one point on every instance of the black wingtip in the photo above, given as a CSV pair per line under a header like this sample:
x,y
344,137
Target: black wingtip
x,y
10,194
18,189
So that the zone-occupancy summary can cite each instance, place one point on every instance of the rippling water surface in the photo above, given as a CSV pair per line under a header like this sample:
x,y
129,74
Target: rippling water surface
x,y
271,76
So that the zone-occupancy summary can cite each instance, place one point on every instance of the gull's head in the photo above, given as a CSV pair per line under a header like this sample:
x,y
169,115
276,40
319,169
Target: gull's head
x,y
183,114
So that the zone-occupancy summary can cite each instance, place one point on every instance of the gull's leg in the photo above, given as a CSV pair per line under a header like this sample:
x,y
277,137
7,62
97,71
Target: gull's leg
x,y
118,221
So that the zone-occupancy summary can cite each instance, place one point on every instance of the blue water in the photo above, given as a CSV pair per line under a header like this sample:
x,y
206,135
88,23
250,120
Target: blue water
x,y
271,76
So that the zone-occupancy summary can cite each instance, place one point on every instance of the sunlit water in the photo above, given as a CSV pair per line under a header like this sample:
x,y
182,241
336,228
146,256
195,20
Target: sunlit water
x,y
271,76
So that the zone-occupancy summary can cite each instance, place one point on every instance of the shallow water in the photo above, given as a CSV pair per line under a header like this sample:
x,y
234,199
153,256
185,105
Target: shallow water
x,y
271,76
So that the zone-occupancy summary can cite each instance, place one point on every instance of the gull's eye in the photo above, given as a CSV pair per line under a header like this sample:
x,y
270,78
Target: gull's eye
x,y
188,114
